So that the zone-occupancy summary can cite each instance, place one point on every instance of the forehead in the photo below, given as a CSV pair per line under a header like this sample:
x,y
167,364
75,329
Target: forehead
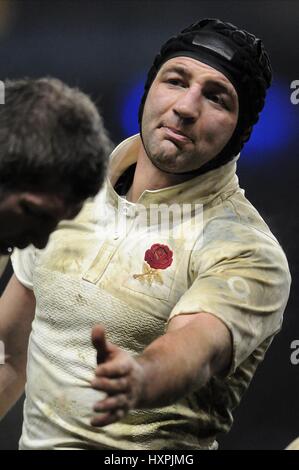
x,y
196,69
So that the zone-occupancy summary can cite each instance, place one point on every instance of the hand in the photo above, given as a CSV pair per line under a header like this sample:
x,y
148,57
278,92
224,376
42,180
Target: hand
x,y
117,374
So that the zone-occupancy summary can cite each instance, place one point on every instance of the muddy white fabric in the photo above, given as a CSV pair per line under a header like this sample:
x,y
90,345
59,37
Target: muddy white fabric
x,y
294,445
91,272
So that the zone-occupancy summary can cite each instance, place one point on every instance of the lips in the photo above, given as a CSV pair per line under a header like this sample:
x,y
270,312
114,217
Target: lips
x,y
175,134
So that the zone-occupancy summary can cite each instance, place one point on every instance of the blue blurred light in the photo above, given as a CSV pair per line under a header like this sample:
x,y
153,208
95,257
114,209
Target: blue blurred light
x,y
131,102
275,131
277,127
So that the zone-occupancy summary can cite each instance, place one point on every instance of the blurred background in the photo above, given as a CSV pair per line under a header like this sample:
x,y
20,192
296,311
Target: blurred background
x,y
105,47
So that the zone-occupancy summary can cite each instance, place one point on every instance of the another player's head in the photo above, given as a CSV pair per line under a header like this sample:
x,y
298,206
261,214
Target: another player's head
x,y
53,155
232,57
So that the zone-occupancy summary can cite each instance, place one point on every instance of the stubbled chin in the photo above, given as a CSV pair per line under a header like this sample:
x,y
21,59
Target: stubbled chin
x,y
168,164
167,151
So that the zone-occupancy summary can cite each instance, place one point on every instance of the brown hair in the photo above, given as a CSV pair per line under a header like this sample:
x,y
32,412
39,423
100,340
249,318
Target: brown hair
x,y
52,138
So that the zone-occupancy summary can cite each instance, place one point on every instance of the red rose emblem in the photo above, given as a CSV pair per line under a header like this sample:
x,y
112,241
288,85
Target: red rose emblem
x,y
158,256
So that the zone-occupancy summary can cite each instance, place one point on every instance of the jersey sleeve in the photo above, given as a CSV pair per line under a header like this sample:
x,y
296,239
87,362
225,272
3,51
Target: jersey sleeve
x,y
23,263
245,283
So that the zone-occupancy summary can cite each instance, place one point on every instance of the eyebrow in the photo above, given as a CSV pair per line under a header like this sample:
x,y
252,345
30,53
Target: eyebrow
x,y
184,72
178,69
222,88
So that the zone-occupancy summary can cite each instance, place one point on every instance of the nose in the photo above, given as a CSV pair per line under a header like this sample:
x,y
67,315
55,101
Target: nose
x,y
188,104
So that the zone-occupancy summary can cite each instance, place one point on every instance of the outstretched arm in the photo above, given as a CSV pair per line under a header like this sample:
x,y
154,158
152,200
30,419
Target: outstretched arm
x,y
194,348
17,306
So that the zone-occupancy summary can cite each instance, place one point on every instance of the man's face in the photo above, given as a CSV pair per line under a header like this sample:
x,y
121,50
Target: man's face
x,y
30,217
190,114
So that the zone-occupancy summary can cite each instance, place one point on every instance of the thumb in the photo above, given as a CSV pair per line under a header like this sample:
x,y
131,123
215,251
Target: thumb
x,y
99,342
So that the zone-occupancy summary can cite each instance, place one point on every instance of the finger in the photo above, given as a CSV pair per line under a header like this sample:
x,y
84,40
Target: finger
x,y
107,418
99,342
112,403
110,386
115,368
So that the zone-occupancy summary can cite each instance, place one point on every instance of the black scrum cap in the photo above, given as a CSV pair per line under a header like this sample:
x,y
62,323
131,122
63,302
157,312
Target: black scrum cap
x,y
240,56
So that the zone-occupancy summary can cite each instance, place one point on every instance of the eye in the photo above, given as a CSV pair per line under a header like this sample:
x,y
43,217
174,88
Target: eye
x,y
175,82
216,98
213,97
28,209
33,211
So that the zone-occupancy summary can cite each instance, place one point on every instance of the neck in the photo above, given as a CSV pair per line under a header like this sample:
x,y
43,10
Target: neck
x,y
148,177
